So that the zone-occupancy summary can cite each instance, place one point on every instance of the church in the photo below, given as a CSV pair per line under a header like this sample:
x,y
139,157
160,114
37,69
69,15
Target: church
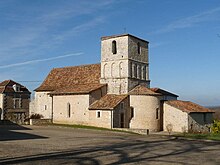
x,y
116,93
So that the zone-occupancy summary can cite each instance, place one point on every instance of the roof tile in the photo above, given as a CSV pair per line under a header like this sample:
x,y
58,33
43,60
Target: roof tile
x,y
188,106
69,76
142,90
107,102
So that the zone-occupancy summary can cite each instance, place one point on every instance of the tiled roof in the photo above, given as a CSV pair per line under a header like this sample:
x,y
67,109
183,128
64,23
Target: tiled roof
x,y
121,35
188,106
163,92
142,90
7,86
68,76
108,102
77,89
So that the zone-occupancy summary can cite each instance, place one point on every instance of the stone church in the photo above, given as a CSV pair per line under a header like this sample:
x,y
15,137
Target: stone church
x,y
116,93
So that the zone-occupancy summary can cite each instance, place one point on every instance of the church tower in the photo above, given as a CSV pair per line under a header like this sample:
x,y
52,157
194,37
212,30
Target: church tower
x,y
124,63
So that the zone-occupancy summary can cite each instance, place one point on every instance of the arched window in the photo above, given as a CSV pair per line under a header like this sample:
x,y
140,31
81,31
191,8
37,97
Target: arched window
x,y
157,113
130,69
135,70
138,48
104,71
113,70
144,73
68,110
114,47
139,71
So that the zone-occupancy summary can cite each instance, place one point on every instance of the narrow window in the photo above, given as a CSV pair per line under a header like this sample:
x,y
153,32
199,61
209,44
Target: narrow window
x,y
122,105
139,71
45,107
132,112
144,73
114,47
98,114
135,71
138,48
130,69
68,110
157,113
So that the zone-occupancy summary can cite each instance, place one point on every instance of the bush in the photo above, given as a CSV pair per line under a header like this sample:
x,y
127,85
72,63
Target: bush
x,y
216,126
36,116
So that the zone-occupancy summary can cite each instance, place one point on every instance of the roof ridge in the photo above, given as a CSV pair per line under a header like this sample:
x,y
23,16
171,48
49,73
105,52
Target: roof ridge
x,y
77,66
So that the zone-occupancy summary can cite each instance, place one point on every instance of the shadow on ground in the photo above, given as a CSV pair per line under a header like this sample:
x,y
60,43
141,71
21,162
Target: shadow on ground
x,y
9,131
127,151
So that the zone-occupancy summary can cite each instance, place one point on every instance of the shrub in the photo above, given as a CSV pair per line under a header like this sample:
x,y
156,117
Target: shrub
x,y
36,116
216,126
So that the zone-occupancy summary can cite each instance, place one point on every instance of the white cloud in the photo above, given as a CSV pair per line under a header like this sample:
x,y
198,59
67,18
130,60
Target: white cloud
x,y
210,15
39,60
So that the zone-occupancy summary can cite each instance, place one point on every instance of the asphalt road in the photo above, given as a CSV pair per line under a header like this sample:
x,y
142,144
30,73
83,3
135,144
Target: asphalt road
x,y
59,145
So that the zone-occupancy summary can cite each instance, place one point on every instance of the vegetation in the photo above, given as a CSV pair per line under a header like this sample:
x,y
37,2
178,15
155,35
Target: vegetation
x,y
36,116
216,127
202,136
91,127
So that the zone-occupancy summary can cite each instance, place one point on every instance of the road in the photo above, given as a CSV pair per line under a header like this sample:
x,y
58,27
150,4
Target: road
x,y
60,145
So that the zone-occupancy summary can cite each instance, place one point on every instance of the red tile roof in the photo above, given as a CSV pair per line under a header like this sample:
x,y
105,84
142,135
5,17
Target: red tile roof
x,y
121,35
7,86
142,90
108,102
69,76
77,89
187,106
163,92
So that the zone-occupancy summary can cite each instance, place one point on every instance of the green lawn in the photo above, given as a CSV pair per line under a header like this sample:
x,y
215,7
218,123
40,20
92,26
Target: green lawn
x,y
91,127
202,136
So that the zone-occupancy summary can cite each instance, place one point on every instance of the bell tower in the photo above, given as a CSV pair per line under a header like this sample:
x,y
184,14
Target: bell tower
x,y
124,63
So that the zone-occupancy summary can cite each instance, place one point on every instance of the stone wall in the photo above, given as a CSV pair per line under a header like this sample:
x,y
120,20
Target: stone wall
x,y
145,112
78,113
40,121
42,104
177,118
200,122
105,119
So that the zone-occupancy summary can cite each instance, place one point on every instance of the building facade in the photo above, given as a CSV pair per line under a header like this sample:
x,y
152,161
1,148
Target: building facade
x,y
14,102
113,94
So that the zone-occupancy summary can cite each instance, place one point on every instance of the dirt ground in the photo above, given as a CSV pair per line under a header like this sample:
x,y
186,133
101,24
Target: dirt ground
x,y
60,145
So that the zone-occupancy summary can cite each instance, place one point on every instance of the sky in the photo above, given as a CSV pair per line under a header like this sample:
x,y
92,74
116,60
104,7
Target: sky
x,y
184,36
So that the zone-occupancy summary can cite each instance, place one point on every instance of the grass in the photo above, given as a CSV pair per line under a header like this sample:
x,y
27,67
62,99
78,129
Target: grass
x,y
91,127
202,136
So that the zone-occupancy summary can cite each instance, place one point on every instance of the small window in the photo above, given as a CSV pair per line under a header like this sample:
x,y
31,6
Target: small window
x,y
68,110
98,114
132,112
157,113
45,107
138,48
122,105
114,47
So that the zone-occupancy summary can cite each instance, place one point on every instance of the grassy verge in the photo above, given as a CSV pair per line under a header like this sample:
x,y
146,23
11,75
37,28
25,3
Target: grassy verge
x,y
202,136
92,128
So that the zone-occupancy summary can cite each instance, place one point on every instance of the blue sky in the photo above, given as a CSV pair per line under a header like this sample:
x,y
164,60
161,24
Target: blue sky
x,y
184,36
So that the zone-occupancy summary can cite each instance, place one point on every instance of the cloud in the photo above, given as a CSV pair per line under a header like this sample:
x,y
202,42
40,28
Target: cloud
x,y
210,15
39,60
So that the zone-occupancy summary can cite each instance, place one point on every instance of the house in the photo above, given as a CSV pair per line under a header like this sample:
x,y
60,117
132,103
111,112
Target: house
x,y
113,94
185,116
14,101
